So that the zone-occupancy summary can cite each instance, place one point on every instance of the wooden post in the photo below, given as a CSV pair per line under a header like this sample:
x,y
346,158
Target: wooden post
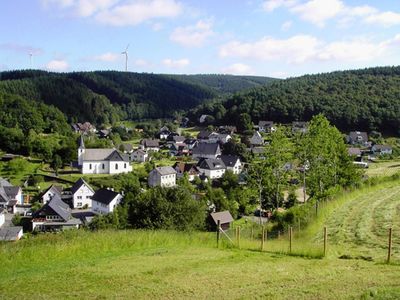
x,y
252,232
290,239
279,234
239,237
299,225
262,238
390,245
325,240
218,232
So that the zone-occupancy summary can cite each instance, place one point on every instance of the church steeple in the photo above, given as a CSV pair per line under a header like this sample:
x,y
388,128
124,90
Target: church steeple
x,y
81,143
81,151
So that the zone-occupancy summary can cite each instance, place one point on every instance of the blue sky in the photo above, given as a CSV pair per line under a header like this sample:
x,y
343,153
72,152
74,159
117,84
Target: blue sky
x,y
278,38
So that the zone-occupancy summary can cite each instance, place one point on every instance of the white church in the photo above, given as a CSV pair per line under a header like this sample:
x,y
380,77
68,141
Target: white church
x,y
102,161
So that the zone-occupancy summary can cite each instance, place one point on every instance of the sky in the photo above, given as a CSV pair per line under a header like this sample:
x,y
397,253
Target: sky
x,y
277,38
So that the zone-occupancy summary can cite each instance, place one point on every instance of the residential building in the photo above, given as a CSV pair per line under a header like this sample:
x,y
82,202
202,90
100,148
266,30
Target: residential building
x,y
299,127
126,148
162,176
232,163
11,233
102,161
179,149
150,145
139,155
354,151
164,133
104,201
2,217
48,194
54,215
227,129
203,135
266,126
381,149
256,140
190,169
10,196
358,138
191,143
211,167
82,194
83,128
206,150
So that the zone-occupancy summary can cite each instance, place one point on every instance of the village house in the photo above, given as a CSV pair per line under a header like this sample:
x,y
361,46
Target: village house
x,y
52,190
178,139
150,145
2,217
10,196
139,155
211,167
162,176
382,150
191,143
179,149
9,233
358,138
102,161
104,201
356,152
206,150
266,126
82,194
163,133
83,128
256,140
227,129
300,127
126,148
204,136
103,133
232,163
54,215
190,169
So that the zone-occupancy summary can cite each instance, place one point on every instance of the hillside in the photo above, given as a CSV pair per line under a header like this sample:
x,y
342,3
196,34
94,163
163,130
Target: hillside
x,y
367,99
105,96
166,264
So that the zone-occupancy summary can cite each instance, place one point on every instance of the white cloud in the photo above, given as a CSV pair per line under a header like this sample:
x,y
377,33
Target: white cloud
x,y
57,65
304,48
141,63
318,11
157,26
385,19
271,5
193,36
238,69
134,13
286,26
86,8
107,57
176,64
296,49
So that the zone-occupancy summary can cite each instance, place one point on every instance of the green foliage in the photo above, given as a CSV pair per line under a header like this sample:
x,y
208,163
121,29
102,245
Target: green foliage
x,y
17,165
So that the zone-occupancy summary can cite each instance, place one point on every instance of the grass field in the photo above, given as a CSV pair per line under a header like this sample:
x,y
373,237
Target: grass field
x,y
383,168
172,265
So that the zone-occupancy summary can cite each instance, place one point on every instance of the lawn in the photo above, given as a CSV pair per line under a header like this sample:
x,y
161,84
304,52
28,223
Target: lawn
x,y
383,168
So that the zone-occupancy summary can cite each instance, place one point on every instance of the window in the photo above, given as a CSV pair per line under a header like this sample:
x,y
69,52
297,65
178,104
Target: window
x,y
103,166
124,165
90,166
79,204
116,166
88,197
79,197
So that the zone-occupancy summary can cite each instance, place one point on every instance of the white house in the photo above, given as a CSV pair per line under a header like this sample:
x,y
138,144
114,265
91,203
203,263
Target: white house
x,y
162,176
232,163
82,194
10,195
211,167
102,161
50,192
2,217
382,149
139,155
104,201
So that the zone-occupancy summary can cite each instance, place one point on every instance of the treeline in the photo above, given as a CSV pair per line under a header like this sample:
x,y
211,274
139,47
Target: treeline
x,y
104,97
366,99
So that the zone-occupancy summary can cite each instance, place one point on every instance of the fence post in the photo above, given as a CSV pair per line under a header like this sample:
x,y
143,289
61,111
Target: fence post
x,y
325,240
390,245
262,238
238,237
252,232
290,239
218,232
279,234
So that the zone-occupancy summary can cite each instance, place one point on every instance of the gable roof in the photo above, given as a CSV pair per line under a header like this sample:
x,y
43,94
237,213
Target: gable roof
x,y
12,191
204,134
117,156
211,164
55,189
381,147
354,135
150,143
97,154
104,196
223,216
206,149
178,139
186,168
164,170
55,205
78,184
265,123
140,151
127,147
229,160
256,139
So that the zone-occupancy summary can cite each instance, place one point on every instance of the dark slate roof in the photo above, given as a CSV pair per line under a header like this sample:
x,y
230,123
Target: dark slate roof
x,y
381,147
265,123
77,185
127,147
299,124
229,160
203,134
354,151
150,143
190,141
117,156
211,164
56,189
12,191
186,168
55,205
104,196
178,139
354,134
223,216
206,149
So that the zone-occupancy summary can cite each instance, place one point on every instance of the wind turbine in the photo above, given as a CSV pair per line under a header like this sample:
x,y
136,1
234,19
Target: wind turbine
x,y
126,58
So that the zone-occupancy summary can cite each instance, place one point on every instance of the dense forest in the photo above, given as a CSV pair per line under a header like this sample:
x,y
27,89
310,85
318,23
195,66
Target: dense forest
x,y
104,97
367,99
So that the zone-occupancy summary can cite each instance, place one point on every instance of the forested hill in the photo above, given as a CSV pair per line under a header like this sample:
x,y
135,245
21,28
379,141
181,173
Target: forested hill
x,y
105,96
367,99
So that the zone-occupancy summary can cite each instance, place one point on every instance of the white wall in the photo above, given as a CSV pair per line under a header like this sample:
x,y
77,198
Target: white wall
x,y
104,208
117,167
2,219
95,167
168,180
213,174
82,196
